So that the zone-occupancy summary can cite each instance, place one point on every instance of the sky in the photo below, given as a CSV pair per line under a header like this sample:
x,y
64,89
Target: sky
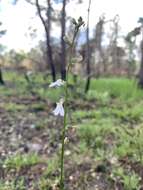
x,y
17,19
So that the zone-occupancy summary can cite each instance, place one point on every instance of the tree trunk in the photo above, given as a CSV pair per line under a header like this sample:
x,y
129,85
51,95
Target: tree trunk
x,y
87,86
98,41
1,78
49,48
63,45
140,83
47,26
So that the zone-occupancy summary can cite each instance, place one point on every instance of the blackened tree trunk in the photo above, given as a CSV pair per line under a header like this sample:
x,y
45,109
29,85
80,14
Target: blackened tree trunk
x,y
140,83
2,32
87,86
63,44
1,78
49,48
47,27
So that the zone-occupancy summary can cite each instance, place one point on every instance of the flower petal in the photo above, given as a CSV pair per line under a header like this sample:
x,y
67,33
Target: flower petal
x,y
57,83
59,110
62,112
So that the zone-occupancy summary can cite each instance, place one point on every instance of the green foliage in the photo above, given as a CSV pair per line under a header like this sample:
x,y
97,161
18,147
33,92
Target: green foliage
x,y
15,57
130,143
96,134
121,88
52,166
130,180
19,161
102,97
13,185
47,184
108,123
13,107
2,32
129,113
81,114
53,94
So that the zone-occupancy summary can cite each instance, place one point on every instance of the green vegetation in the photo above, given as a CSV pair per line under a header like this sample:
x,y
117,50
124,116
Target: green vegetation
x,y
105,132
20,161
13,185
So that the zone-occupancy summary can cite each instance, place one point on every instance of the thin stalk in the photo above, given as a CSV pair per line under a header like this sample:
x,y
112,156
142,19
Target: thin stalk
x,y
65,115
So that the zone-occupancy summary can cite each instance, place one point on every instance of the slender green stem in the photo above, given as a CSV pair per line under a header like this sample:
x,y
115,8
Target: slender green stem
x,y
63,137
77,26
65,115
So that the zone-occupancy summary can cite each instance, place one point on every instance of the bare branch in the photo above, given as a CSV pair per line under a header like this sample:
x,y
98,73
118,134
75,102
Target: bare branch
x,y
40,15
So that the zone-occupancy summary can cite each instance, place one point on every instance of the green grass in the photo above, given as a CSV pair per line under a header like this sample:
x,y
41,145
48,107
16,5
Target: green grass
x,y
95,134
122,88
13,185
20,161
13,107
129,179
52,165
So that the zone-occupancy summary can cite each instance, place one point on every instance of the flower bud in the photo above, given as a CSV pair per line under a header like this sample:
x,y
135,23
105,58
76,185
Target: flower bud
x,y
74,21
66,140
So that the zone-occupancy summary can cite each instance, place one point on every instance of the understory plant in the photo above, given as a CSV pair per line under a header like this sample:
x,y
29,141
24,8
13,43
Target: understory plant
x,y
129,179
60,109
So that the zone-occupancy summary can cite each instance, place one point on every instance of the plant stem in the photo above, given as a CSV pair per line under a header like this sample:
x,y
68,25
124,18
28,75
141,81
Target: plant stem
x,y
65,115
63,136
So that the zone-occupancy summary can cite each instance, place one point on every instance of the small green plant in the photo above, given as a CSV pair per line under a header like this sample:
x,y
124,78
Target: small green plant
x,y
133,145
102,97
52,165
13,107
19,161
60,110
130,180
12,185
96,135
47,184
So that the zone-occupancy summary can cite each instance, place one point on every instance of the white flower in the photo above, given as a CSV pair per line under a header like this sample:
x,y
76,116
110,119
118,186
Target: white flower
x,y
59,110
57,83
29,73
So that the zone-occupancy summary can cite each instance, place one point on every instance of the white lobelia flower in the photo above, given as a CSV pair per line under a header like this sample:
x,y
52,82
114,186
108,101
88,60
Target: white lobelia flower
x,y
59,110
57,83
